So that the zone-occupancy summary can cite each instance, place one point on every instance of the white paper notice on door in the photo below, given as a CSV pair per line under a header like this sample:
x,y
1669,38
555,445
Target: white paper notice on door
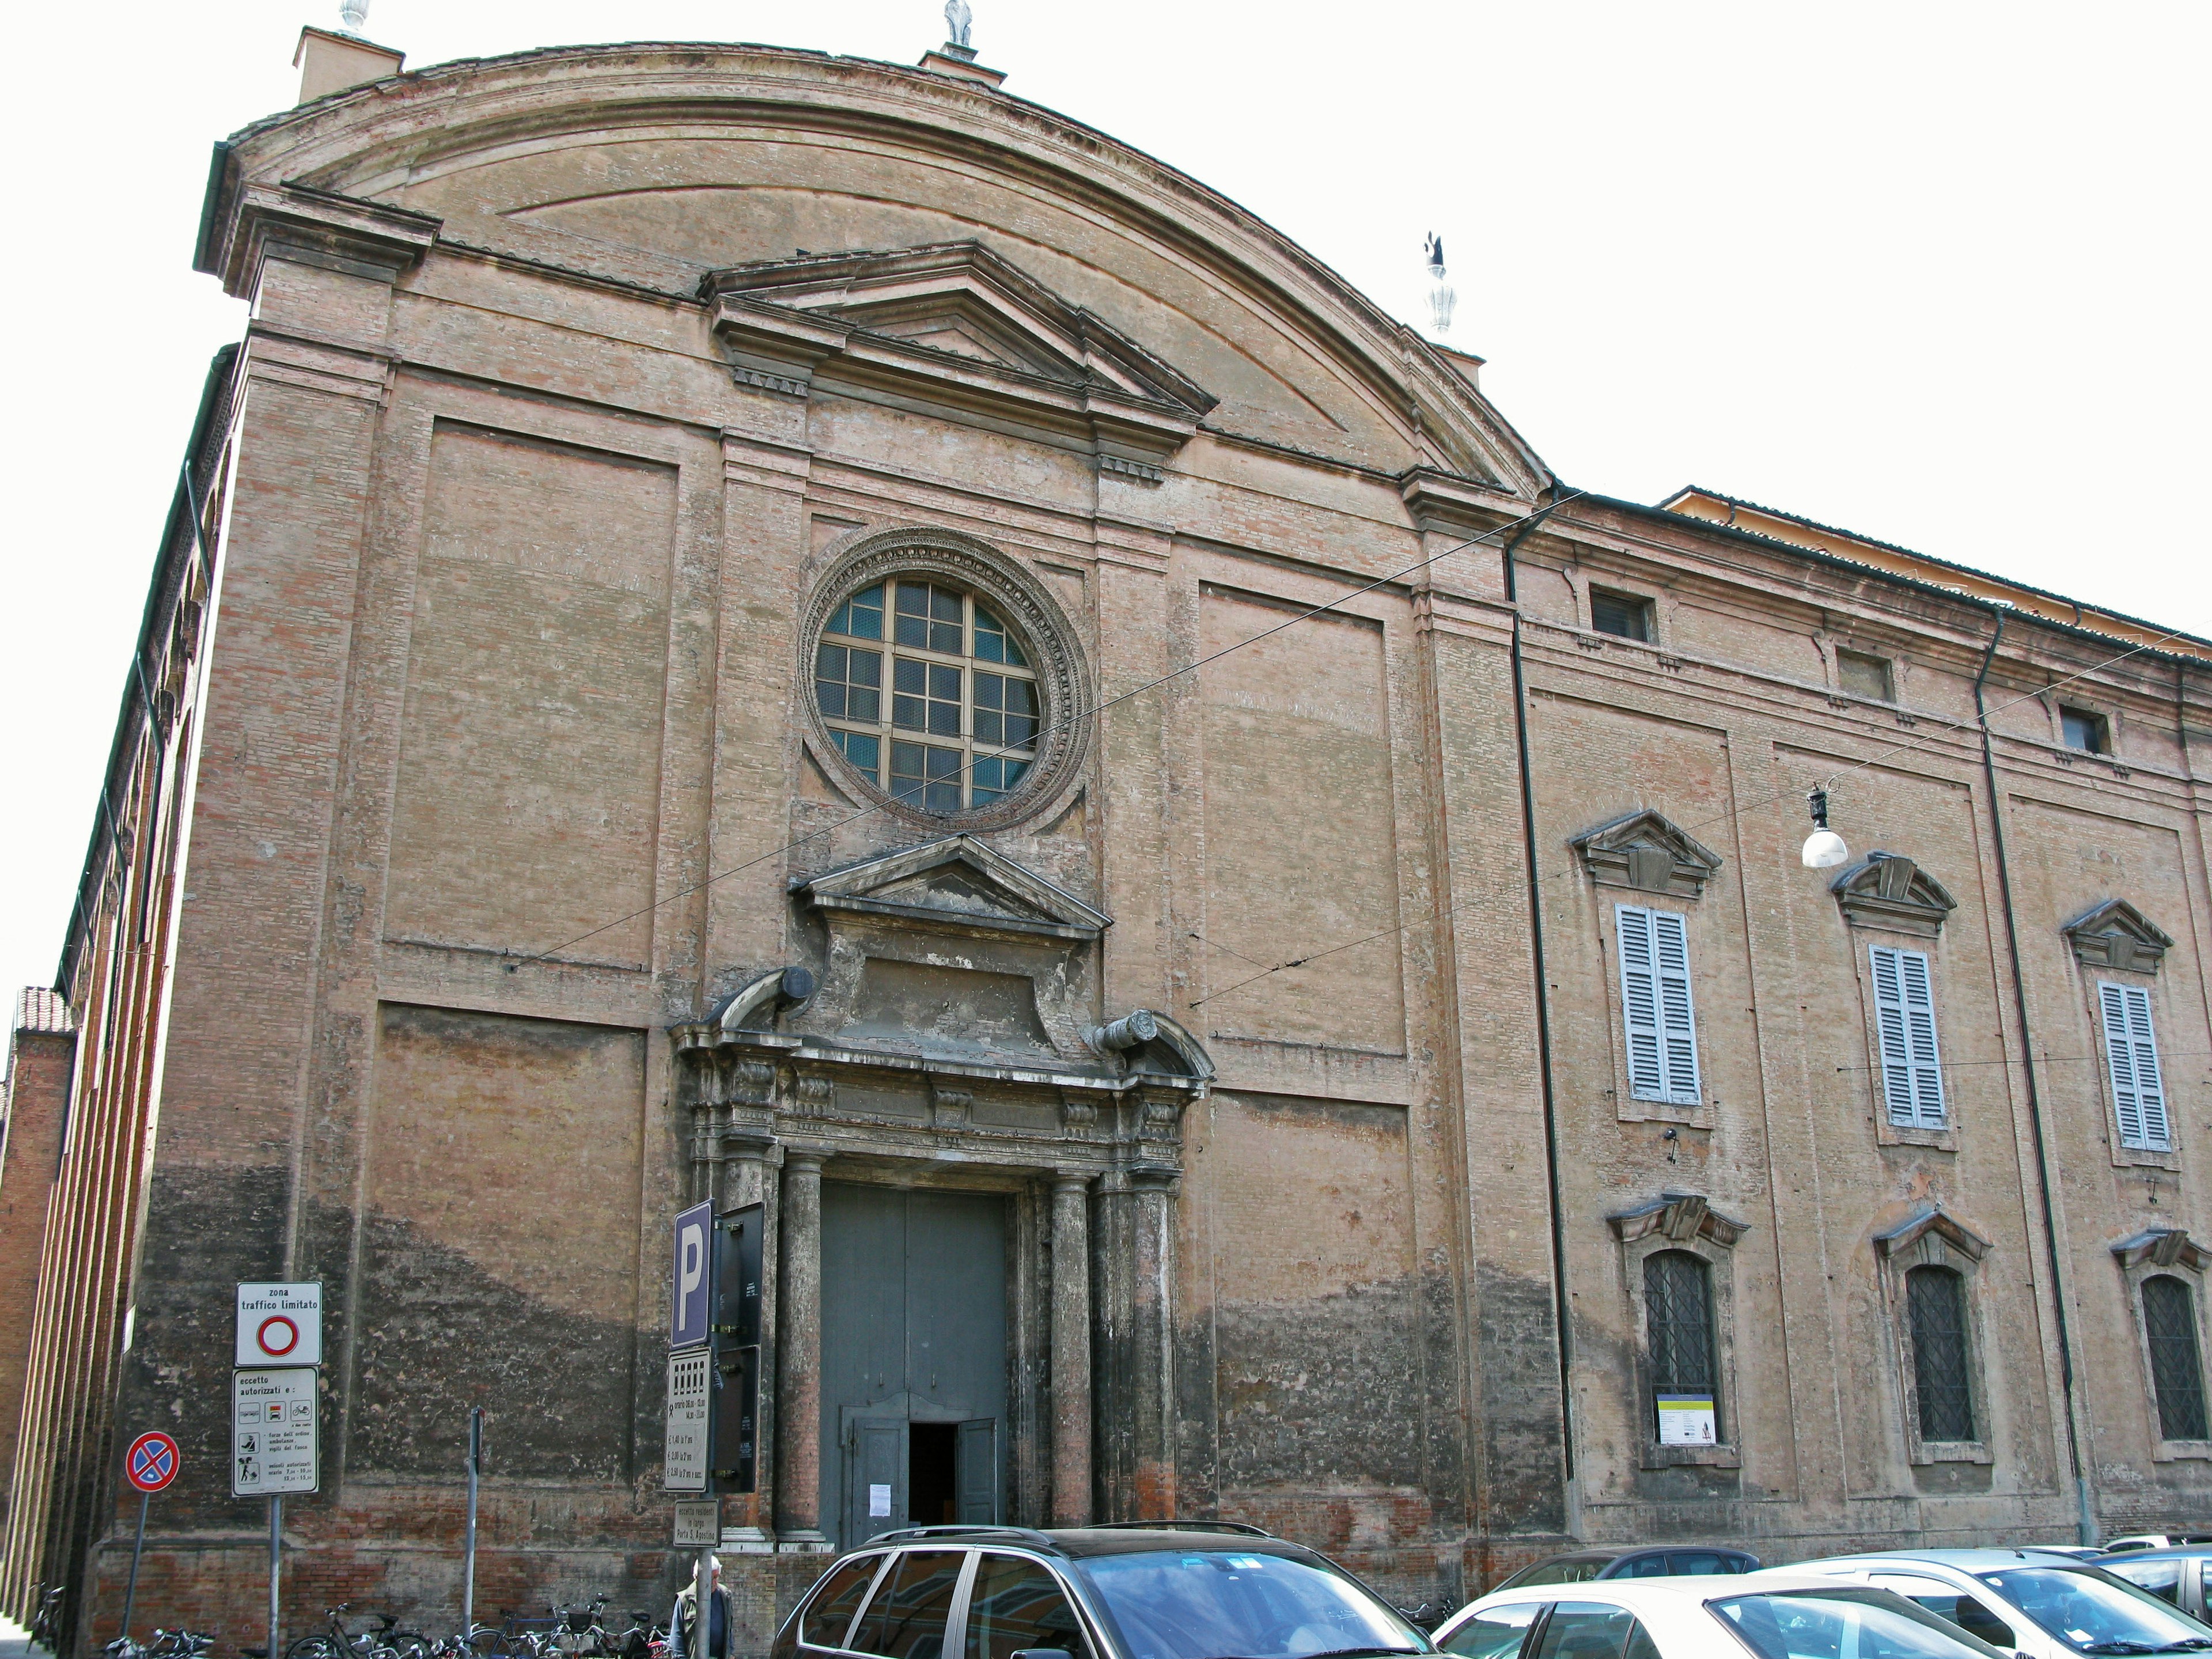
x,y
879,1502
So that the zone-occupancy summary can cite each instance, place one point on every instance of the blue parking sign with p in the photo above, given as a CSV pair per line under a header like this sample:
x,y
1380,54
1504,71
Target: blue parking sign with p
x,y
691,1307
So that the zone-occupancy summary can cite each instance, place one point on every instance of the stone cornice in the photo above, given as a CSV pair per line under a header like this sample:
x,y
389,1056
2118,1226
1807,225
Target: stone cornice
x,y
318,228
1897,1241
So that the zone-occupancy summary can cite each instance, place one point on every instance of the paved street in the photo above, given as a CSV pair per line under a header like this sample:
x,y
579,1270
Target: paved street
x,y
15,1640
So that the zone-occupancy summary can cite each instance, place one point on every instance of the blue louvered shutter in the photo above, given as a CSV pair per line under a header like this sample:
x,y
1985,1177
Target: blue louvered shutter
x,y
1905,1018
1657,1008
2131,1060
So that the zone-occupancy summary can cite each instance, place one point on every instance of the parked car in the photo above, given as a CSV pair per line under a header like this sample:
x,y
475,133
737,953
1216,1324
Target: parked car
x,y
2155,1541
1669,1561
1091,1593
1770,1615
2079,1552
2180,1577
2038,1604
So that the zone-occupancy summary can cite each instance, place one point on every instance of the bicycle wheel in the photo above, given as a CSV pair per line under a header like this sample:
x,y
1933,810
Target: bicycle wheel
x,y
491,1641
313,1647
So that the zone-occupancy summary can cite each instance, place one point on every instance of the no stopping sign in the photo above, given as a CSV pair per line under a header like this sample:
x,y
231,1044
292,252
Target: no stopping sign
x,y
151,1462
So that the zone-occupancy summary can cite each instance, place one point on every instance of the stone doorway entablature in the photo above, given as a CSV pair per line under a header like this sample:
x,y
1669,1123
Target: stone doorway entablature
x,y
949,1033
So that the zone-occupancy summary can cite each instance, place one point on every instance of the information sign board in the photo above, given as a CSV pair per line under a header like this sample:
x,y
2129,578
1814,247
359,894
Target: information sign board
x,y
1686,1417
698,1523
691,1308
689,1444
273,1416
279,1324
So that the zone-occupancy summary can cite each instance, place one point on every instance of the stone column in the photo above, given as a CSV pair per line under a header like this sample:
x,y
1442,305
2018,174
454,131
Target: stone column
x,y
1152,1333
798,1354
1071,1349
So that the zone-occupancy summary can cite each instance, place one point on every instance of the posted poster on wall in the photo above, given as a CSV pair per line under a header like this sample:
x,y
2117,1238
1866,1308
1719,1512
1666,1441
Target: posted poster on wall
x,y
1686,1418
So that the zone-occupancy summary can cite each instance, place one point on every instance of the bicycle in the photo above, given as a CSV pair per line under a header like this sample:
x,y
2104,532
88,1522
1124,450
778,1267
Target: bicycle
x,y
335,1640
578,1633
638,1642
45,1628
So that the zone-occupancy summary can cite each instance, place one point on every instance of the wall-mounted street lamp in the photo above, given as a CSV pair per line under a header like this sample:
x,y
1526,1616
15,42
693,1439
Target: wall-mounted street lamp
x,y
1824,847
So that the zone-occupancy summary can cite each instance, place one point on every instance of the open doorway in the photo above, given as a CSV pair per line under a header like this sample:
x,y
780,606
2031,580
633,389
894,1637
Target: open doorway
x,y
932,1480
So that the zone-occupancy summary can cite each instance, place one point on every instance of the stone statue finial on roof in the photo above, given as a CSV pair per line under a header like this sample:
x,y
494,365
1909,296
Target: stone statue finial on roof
x,y
958,20
352,14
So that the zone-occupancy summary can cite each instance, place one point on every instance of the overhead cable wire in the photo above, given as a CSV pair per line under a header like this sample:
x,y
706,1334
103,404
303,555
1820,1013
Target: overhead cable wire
x,y
1541,513
1943,728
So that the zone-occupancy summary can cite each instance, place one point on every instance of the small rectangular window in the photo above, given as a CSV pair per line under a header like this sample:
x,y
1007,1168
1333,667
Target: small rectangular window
x,y
1864,676
2085,731
1905,1019
1620,614
2132,1061
1655,1005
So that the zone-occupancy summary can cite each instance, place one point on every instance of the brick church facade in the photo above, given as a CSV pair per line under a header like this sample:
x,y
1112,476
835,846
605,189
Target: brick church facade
x,y
1200,1053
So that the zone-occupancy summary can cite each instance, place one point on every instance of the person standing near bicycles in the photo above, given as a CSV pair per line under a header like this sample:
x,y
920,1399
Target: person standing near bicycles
x,y
722,1617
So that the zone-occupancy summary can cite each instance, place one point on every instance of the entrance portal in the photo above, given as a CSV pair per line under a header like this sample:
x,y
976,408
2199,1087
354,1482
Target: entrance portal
x,y
913,1359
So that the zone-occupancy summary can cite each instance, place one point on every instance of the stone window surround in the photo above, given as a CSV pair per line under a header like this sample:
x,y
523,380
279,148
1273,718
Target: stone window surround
x,y
1930,1237
1607,854
1685,1222
1581,579
1902,918
2087,976
1062,674
2172,1252
2078,696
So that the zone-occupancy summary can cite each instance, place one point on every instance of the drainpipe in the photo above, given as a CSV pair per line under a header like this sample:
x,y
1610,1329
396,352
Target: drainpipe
x,y
2088,1532
1544,1025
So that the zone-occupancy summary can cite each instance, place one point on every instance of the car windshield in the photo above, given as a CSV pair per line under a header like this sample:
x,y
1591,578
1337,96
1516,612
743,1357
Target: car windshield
x,y
2092,1612
1231,1604
1559,1569
1844,1624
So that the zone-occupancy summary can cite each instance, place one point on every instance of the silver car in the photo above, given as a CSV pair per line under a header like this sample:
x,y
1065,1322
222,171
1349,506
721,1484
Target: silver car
x,y
2033,1602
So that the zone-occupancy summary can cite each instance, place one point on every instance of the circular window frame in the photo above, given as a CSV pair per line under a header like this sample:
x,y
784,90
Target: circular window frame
x,y
1062,674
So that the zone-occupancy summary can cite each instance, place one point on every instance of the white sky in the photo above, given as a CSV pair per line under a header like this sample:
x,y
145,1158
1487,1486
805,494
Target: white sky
x,y
1934,273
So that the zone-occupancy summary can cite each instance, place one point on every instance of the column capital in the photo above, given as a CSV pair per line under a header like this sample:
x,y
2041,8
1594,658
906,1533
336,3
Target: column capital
x,y
804,1160
1072,1181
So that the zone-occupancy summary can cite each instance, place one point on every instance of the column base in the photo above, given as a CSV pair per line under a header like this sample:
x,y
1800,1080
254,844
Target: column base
x,y
748,1541
803,1541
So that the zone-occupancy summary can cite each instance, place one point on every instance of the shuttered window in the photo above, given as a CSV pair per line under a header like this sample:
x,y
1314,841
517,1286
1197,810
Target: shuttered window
x,y
2131,1060
1904,1018
1655,1005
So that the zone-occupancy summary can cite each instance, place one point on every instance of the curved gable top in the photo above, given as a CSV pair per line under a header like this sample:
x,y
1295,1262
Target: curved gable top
x,y
654,165
1887,891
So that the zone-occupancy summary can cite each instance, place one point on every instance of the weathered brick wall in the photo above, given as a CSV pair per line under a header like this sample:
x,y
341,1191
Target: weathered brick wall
x,y
505,664
41,1051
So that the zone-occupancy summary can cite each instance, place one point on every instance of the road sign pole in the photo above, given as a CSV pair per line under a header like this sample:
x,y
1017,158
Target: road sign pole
x,y
131,1595
702,1608
469,1569
276,1569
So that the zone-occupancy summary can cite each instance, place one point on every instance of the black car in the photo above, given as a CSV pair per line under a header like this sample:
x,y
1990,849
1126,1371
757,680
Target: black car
x,y
1114,1592
1671,1561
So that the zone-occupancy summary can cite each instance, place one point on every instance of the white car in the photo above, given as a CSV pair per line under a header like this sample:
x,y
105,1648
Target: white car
x,y
1759,1615
2034,1602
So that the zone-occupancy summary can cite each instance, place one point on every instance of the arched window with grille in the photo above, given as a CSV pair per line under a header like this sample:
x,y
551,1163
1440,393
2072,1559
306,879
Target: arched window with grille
x,y
2177,1371
1678,1311
1943,1385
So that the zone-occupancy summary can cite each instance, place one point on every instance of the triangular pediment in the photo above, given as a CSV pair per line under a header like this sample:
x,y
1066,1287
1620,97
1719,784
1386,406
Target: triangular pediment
x,y
959,883
2115,934
1645,851
961,331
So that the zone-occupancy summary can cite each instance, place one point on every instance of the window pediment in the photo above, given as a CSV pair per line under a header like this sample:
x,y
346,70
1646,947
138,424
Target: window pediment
x,y
959,883
1644,851
2162,1247
1908,1240
2115,934
1680,1217
1888,890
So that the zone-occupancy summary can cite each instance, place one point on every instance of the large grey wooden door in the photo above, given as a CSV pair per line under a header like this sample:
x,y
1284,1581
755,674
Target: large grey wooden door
x,y
913,1359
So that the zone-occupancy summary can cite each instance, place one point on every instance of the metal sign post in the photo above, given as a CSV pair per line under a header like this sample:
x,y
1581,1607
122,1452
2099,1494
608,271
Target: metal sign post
x,y
469,1572
275,1401
150,1465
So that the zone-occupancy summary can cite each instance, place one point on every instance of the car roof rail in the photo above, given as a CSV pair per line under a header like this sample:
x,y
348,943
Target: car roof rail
x,y
907,1535
1242,1528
